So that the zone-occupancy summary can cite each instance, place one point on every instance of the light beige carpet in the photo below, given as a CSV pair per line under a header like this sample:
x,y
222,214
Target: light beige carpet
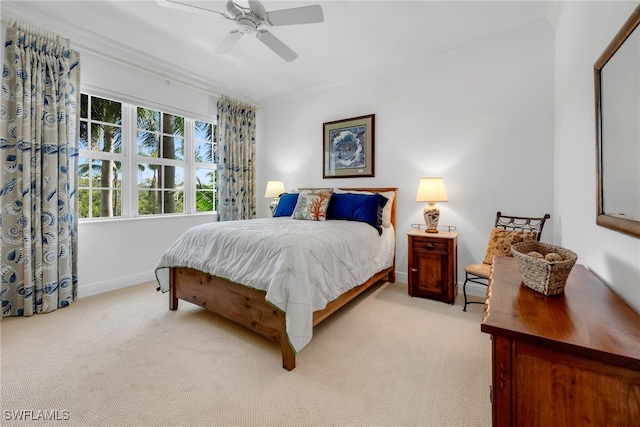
x,y
123,359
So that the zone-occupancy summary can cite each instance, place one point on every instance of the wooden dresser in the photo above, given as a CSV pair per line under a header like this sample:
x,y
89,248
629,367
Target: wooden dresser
x,y
570,360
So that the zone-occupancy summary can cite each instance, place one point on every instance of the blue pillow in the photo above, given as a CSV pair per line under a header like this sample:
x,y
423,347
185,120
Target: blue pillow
x,y
358,207
286,204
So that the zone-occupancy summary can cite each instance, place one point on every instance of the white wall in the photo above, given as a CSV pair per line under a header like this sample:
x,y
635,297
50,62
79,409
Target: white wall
x,y
479,114
118,253
113,254
584,30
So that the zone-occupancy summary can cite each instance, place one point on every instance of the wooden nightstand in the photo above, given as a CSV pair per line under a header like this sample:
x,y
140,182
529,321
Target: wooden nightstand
x,y
433,265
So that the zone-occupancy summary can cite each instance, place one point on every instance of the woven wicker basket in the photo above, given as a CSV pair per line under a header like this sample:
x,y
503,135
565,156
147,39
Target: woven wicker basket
x,y
548,278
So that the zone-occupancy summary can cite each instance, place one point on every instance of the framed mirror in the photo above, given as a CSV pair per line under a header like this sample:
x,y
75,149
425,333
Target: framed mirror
x,y
617,105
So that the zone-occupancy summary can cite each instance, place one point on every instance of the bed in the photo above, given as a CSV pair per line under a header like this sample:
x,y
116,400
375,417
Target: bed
x,y
271,275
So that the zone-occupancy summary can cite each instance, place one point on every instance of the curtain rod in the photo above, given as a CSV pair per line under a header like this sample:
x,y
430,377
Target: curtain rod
x,y
39,32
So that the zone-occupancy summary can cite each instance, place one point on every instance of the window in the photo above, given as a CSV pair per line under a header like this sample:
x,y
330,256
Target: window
x,y
205,157
100,164
137,161
160,139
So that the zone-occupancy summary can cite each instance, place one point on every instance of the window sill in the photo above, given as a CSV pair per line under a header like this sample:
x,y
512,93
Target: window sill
x,y
213,215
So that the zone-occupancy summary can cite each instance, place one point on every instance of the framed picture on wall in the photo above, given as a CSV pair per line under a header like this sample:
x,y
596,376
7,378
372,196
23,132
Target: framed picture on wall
x,y
349,147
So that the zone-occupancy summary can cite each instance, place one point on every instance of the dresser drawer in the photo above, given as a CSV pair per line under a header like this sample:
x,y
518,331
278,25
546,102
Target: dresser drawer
x,y
429,244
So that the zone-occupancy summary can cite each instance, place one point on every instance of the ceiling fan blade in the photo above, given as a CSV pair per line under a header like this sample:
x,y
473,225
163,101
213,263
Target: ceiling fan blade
x,y
257,8
228,42
232,9
273,43
171,4
297,15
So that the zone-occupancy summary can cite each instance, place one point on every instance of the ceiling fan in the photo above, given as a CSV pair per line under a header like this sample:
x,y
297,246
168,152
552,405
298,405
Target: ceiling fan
x,y
253,19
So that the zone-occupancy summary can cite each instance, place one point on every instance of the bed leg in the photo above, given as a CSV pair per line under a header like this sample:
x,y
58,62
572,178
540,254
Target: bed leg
x,y
288,355
173,299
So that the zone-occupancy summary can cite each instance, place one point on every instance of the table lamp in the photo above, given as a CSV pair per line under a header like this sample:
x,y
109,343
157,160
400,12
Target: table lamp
x,y
274,190
431,190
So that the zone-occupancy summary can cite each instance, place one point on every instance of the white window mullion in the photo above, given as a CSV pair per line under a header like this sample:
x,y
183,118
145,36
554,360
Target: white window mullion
x,y
189,169
130,189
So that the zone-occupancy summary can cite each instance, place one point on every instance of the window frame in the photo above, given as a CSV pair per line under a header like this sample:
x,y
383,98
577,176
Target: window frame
x,y
130,159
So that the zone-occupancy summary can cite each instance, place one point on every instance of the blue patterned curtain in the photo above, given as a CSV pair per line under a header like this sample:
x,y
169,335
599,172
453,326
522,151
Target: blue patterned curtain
x,y
236,151
38,172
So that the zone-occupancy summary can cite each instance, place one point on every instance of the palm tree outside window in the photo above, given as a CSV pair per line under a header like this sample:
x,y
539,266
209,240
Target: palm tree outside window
x,y
150,162
100,172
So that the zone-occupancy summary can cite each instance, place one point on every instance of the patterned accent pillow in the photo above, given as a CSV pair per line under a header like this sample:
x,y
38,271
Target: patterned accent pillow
x,y
501,240
312,204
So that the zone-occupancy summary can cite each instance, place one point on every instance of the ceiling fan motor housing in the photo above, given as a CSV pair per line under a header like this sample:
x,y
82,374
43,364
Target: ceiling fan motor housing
x,y
247,25
248,20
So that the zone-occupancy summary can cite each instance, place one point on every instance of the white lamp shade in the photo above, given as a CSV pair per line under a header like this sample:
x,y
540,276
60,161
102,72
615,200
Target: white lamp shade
x,y
274,189
432,190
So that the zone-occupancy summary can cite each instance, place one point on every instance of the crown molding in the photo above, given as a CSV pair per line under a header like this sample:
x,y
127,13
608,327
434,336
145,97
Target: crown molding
x,y
454,49
555,12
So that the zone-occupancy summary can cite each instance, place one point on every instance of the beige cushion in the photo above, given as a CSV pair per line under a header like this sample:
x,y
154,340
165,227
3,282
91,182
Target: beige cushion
x,y
312,204
480,270
501,240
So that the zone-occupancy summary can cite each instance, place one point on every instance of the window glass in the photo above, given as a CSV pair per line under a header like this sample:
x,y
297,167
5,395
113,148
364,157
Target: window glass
x,y
160,135
204,143
205,190
100,124
160,189
100,166
99,188
205,155
153,172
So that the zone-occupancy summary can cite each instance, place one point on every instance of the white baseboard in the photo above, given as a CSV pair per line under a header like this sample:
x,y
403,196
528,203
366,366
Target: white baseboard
x,y
111,285
473,289
402,277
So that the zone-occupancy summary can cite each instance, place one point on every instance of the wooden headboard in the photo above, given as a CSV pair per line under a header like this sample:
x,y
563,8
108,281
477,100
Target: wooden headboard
x,y
371,190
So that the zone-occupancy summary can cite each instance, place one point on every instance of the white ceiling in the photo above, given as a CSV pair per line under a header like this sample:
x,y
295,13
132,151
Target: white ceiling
x,y
355,36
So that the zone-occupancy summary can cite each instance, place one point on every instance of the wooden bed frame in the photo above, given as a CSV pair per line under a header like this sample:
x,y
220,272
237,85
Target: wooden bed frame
x,y
248,306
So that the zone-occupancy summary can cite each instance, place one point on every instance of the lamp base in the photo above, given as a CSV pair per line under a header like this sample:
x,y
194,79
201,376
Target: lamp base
x,y
431,217
273,205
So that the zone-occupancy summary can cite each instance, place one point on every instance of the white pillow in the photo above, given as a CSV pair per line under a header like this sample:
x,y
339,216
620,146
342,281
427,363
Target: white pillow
x,y
386,212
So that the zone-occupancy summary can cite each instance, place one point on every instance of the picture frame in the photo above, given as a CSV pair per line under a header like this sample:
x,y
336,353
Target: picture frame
x,y
349,147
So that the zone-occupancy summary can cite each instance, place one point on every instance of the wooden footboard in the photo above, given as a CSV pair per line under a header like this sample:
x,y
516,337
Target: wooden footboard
x,y
245,306
248,306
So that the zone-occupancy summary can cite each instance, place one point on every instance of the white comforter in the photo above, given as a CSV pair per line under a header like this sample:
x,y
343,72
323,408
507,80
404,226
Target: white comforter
x,y
302,265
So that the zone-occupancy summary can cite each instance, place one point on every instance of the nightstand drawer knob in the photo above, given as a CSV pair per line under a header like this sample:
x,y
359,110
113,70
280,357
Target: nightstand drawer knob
x,y
414,269
431,245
